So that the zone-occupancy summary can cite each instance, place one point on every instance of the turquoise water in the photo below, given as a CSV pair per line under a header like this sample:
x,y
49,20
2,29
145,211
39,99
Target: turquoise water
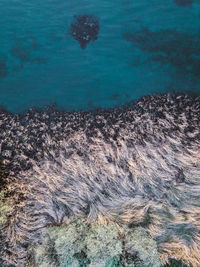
x,y
143,47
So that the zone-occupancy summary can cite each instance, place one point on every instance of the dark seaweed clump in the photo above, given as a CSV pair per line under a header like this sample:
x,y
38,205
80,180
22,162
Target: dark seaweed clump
x,y
184,2
25,51
84,29
3,68
179,49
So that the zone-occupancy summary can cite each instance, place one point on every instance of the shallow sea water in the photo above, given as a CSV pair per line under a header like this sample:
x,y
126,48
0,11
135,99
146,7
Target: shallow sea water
x,y
143,47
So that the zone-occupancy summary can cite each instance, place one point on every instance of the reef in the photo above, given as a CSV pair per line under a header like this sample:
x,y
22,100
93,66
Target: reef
x,y
84,29
180,50
135,167
25,51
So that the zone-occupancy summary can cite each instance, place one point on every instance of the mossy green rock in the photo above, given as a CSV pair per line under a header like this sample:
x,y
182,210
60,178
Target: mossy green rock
x,y
138,242
80,245
102,243
5,208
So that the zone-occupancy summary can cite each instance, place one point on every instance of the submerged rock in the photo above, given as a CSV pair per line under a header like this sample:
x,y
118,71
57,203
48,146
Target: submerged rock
x,y
84,29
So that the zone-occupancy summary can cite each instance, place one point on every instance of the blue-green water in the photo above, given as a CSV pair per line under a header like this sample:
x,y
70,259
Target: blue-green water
x,y
143,47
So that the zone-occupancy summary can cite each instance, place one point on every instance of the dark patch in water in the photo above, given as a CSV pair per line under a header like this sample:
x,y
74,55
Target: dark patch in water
x,y
23,50
115,96
40,60
192,93
84,29
184,2
22,53
3,68
179,49
127,95
90,105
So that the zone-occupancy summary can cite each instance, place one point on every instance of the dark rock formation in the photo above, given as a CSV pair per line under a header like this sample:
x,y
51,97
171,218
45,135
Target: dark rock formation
x,y
84,29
